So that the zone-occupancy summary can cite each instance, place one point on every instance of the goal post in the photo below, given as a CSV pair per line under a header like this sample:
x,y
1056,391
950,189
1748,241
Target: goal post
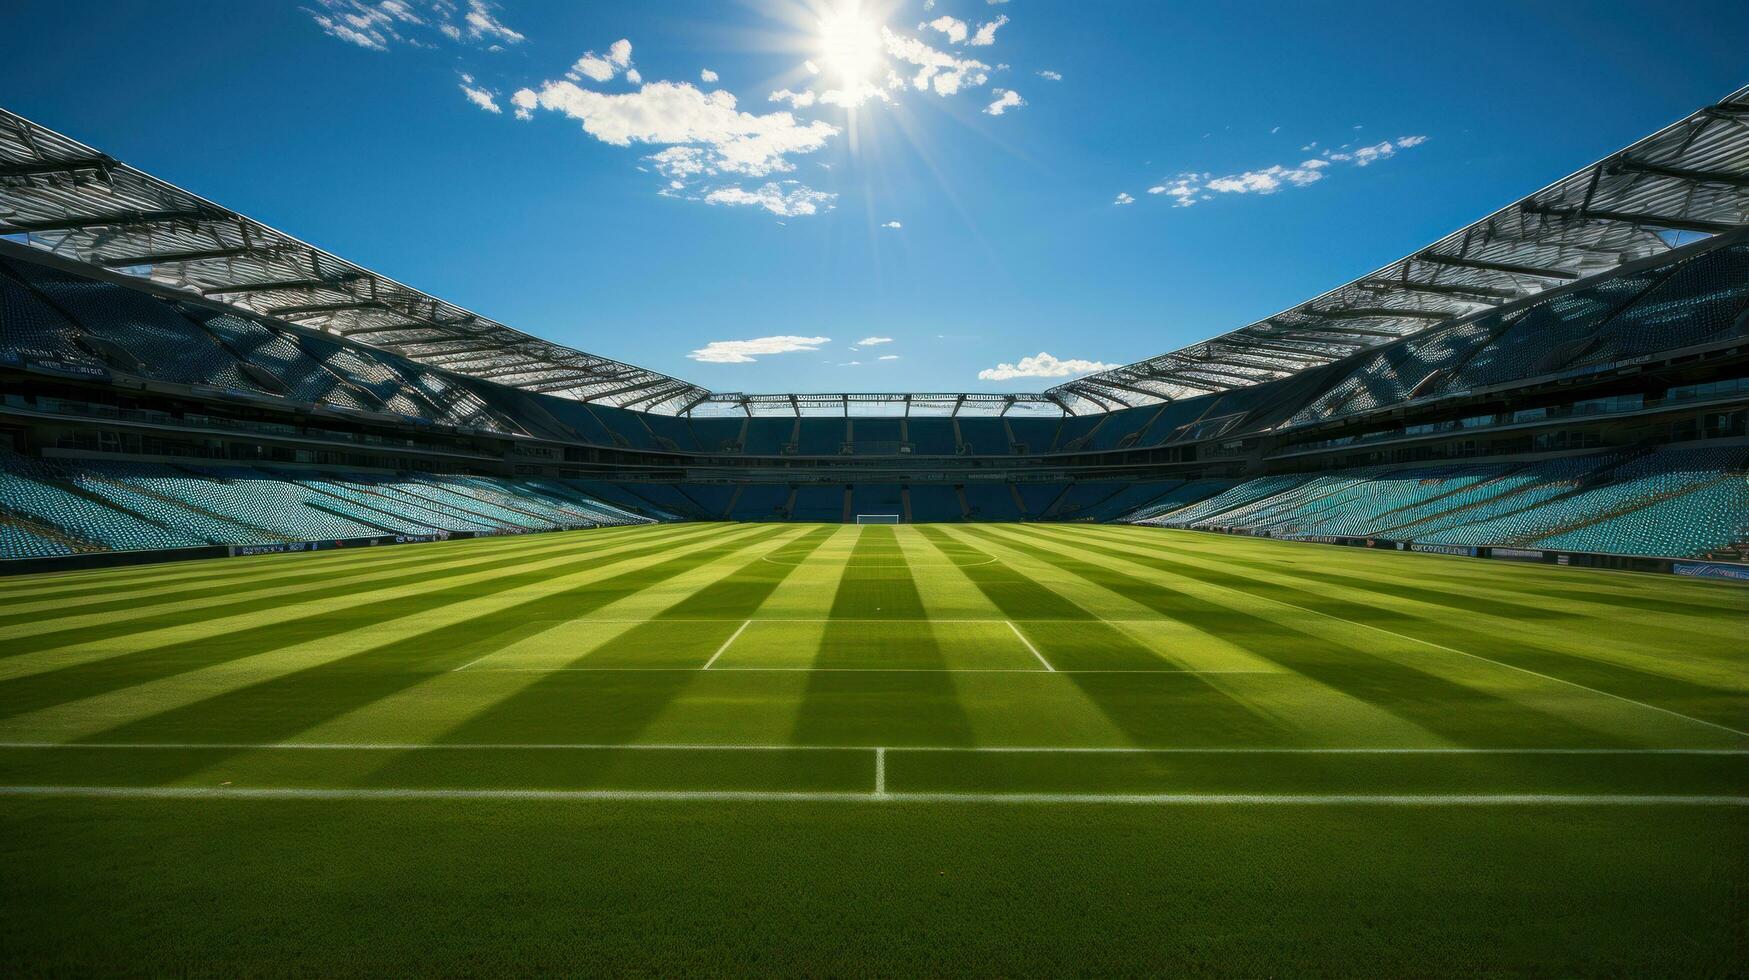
x,y
877,518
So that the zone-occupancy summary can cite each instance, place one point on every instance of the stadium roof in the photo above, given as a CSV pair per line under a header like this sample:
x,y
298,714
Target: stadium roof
x,y
1689,179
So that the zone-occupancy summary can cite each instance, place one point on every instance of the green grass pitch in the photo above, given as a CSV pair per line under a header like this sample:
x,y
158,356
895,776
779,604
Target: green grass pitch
x,y
841,750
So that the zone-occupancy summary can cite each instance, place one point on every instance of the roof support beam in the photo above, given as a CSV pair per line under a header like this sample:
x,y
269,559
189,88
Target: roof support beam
x,y
1378,313
113,220
282,285
1734,179
1675,223
1481,293
39,168
308,309
166,258
1507,267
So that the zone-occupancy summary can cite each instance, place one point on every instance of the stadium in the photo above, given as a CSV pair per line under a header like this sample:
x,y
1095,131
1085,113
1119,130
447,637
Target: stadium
x,y
347,630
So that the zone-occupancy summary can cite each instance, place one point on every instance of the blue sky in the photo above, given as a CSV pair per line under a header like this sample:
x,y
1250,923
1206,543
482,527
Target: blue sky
x,y
919,186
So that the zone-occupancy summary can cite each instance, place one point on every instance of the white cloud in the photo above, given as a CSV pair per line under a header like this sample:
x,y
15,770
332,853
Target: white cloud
x,y
677,113
872,341
893,225
1049,75
1190,188
889,357
849,363
602,67
797,100
939,70
953,27
383,24
708,77
1123,198
480,96
748,351
1042,366
1266,181
482,24
787,199
986,34
1006,99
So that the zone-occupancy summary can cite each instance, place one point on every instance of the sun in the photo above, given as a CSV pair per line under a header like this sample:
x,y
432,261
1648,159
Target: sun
x,y
850,45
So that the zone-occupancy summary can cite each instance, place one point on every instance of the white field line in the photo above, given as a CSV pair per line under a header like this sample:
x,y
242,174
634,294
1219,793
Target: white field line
x,y
1473,656
732,638
1022,638
763,796
874,670
1522,670
880,772
1433,750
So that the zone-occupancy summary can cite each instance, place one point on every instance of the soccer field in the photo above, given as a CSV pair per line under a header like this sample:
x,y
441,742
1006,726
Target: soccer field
x,y
847,750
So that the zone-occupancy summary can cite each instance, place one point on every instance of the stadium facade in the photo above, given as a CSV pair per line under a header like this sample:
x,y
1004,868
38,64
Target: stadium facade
x,y
1566,379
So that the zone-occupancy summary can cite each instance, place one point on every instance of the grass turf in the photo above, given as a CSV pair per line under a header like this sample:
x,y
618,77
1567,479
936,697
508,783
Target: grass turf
x,y
510,756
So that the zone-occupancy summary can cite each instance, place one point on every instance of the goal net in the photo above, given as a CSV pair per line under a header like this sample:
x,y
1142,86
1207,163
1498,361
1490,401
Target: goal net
x,y
877,518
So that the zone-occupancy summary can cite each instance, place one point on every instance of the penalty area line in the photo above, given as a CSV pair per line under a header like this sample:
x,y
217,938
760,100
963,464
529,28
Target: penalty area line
x,y
732,638
1028,643
881,796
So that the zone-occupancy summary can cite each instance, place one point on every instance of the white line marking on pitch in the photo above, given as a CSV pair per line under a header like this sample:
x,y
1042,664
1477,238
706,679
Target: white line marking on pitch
x,y
732,637
1022,637
1138,559
880,772
472,662
721,747
874,670
1150,799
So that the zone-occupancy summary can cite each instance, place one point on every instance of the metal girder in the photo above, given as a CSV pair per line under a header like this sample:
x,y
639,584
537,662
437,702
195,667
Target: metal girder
x,y
307,309
281,285
114,219
1678,173
1443,289
1377,313
1673,222
41,168
185,255
1513,268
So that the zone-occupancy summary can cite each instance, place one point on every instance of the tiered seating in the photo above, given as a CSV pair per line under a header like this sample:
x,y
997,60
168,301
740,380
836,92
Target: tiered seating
x,y
1706,519
1131,497
987,437
1176,499
1038,497
821,437
761,502
1080,498
932,437
672,434
16,542
38,491
145,333
1550,334
768,437
1698,303
991,502
1037,435
32,332
933,502
1237,496
875,498
718,435
818,503
711,499
278,355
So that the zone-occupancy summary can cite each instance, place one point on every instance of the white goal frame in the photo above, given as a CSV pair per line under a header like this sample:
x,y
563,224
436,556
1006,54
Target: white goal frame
x,y
877,518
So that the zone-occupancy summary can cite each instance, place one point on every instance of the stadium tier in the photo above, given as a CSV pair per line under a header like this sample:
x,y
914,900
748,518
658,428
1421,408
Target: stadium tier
x,y
1592,406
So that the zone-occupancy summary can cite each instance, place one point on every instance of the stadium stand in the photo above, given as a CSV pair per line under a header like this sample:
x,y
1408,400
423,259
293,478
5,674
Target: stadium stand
x,y
1584,389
